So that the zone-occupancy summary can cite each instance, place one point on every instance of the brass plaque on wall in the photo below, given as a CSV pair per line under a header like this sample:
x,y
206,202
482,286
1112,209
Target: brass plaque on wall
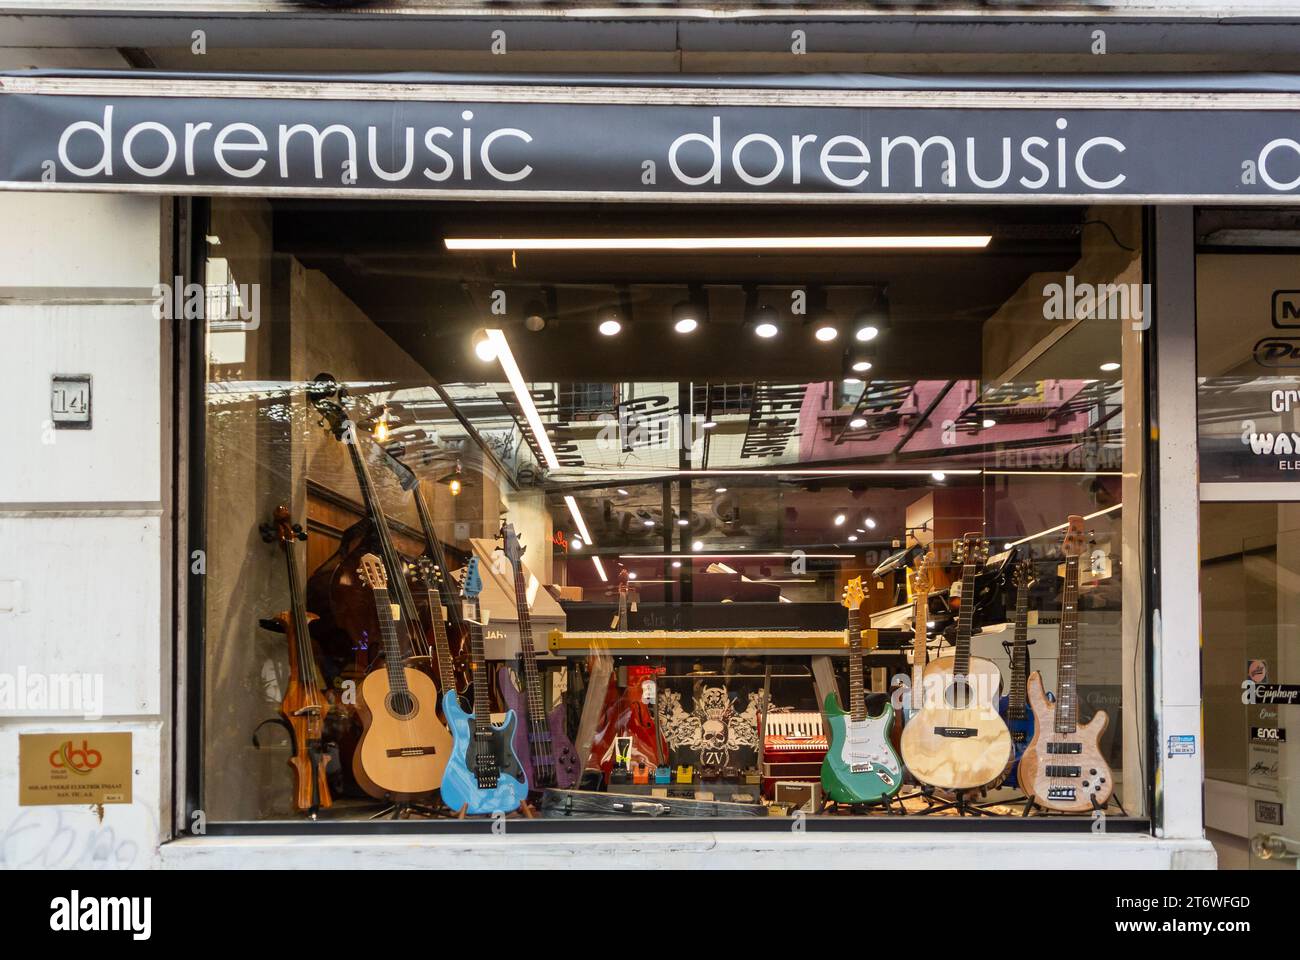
x,y
55,768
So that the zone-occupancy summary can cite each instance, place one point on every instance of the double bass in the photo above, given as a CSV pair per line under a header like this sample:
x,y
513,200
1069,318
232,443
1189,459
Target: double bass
x,y
306,704
348,620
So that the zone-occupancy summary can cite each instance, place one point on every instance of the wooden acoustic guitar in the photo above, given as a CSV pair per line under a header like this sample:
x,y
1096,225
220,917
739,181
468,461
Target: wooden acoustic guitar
x,y
1063,768
404,746
958,741
860,764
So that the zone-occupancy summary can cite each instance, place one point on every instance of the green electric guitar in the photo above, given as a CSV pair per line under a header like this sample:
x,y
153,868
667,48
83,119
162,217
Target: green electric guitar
x,y
860,764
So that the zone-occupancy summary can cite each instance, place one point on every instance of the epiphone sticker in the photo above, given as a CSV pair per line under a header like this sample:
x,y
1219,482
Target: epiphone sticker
x,y
80,768
1288,693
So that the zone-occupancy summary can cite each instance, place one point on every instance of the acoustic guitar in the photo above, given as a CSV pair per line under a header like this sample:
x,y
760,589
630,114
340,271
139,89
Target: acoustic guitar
x,y
860,764
958,741
483,775
1063,767
404,746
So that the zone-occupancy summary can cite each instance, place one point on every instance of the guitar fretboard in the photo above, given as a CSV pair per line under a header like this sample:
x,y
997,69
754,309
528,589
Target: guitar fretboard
x,y
1067,692
965,621
540,743
857,698
1019,657
392,648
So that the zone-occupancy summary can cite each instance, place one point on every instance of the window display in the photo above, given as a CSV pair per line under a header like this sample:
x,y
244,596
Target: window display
x,y
669,512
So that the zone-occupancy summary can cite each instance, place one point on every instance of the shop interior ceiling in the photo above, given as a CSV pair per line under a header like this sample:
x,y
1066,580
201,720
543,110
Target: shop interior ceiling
x,y
390,259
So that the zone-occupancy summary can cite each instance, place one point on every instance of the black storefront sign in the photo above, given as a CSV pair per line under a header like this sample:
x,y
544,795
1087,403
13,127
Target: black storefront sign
x,y
320,144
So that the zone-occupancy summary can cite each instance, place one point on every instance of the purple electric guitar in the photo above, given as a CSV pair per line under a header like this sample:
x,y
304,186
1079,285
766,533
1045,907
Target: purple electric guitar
x,y
541,741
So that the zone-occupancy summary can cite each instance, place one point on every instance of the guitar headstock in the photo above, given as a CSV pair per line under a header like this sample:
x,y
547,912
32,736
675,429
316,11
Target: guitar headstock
x,y
1075,542
920,577
511,547
970,549
326,395
1023,575
372,572
472,583
853,594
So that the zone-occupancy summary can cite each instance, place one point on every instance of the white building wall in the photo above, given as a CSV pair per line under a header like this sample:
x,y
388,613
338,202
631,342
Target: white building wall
x,y
82,576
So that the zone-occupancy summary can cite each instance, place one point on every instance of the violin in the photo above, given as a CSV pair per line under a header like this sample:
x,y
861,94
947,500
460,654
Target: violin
x,y
305,706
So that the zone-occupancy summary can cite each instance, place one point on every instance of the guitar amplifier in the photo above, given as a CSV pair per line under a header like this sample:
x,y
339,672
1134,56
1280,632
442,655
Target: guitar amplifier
x,y
800,794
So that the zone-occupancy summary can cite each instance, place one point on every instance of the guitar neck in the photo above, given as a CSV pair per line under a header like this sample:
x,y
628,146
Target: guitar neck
x,y
478,665
446,669
857,694
532,682
1019,657
439,557
920,634
965,620
1067,699
392,648
417,644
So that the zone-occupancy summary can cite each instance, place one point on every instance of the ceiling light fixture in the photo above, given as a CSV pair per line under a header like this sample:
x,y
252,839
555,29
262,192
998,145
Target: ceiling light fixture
x,y
866,333
989,422
578,522
766,329
523,397
924,242
857,423
600,570
839,519
826,333
686,317
484,348
939,475
1110,366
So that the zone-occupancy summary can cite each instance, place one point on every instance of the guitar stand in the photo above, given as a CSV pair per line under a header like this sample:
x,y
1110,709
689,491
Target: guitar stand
x,y
526,810
403,811
960,803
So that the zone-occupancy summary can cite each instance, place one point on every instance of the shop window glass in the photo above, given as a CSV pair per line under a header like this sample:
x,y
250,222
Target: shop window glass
x,y
592,535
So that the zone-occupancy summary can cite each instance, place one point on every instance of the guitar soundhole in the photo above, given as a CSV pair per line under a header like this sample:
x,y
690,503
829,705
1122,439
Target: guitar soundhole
x,y
958,695
402,705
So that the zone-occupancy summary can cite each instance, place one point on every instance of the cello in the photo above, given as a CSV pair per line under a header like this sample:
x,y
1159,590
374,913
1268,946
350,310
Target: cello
x,y
305,706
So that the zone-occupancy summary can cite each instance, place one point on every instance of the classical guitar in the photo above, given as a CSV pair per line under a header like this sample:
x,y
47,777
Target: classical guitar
x,y
860,764
542,742
920,580
305,705
483,775
957,741
404,746
1063,768
1014,707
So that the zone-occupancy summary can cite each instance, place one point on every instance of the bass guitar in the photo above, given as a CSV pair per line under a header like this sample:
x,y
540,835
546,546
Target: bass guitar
x,y
1063,767
542,742
404,746
860,764
484,774
1013,707
957,741
305,706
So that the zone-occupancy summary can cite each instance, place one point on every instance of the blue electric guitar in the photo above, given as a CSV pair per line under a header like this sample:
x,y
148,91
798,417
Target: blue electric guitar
x,y
1013,707
483,774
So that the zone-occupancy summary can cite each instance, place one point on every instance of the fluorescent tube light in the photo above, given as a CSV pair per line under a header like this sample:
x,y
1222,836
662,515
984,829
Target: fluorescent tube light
x,y
578,521
516,379
600,569
935,242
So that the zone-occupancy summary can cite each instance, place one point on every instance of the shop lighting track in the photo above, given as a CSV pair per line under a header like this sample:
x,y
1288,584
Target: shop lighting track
x,y
568,244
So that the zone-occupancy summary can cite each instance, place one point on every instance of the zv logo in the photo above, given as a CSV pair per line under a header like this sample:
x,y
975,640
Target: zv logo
x,y
1286,308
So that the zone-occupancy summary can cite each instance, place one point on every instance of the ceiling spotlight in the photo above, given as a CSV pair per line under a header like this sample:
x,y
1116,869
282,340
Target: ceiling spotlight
x,y
989,422
484,348
683,522
861,366
709,424
534,316
939,476
697,546
853,537
631,575
610,327
870,523
575,543
766,330
826,333
1110,366
1006,546
866,333
621,492
851,381
857,423
686,317
839,519
649,523
720,490
676,564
